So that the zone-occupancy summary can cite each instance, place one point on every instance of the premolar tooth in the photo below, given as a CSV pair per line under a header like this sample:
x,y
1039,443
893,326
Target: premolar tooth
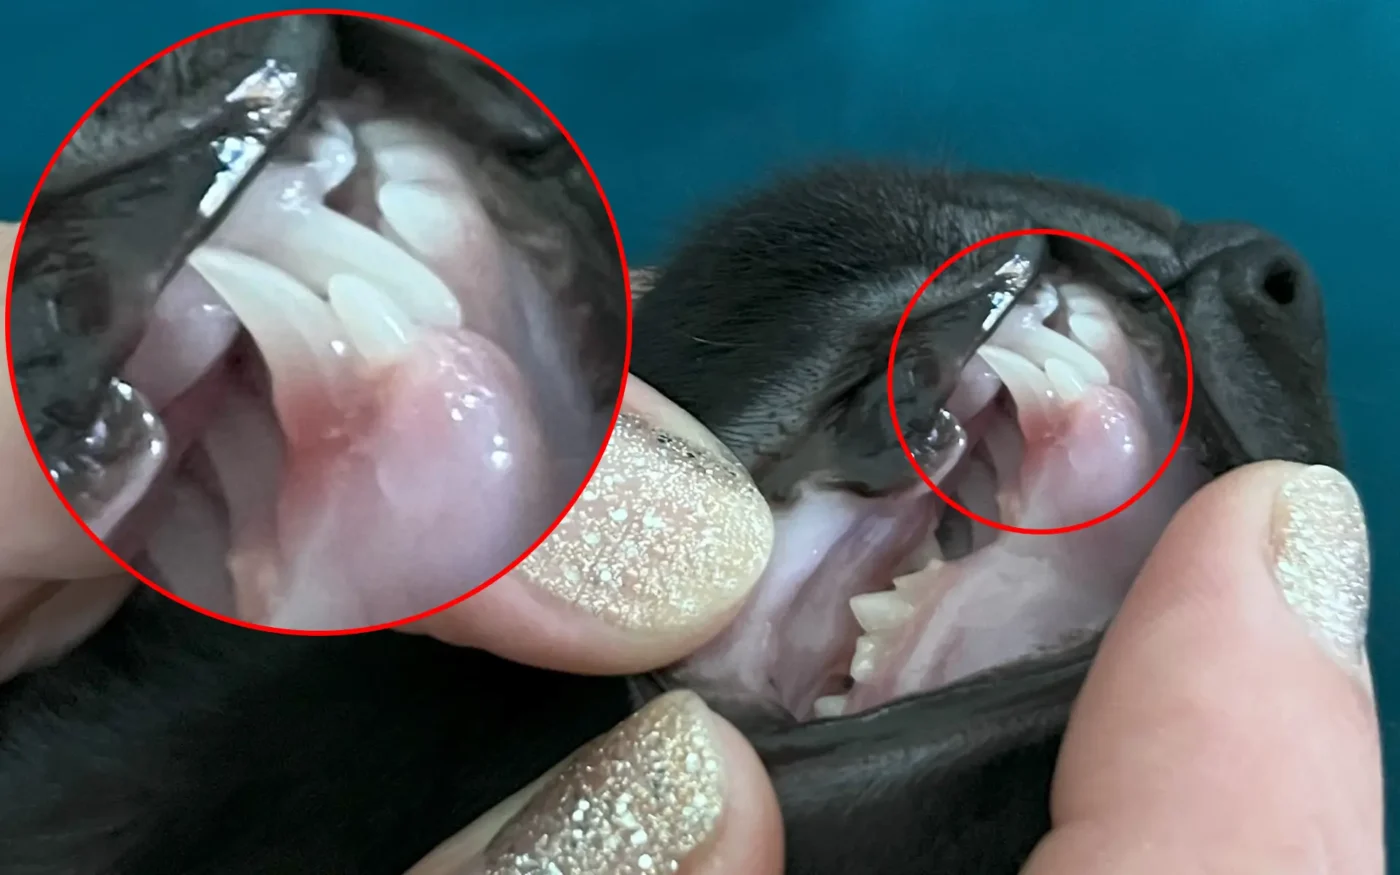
x,y
1083,298
1091,331
1040,344
876,611
829,706
412,162
428,220
863,663
380,330
1067,382
1027,384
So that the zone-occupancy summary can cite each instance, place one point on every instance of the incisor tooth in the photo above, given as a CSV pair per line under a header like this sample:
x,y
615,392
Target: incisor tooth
x,y
863,663
829,706
876,611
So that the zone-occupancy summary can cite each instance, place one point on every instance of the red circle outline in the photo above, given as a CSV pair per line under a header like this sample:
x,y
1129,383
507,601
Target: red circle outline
x,y
1180,433
622,258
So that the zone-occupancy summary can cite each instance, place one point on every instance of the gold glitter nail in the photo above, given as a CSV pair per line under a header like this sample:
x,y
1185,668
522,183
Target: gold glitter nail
x,y
635,802
666,534
1323,560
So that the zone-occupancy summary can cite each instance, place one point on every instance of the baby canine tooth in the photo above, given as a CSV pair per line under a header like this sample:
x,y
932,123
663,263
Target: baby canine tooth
x,y
378,327
1039,344
829,706
876,611
1027,384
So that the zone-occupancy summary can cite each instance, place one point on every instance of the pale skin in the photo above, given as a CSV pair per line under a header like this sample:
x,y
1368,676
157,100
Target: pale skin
x,y
1214,734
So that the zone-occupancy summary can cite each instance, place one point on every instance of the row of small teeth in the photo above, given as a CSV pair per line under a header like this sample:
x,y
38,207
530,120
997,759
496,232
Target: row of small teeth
x,y
325,286
1040,368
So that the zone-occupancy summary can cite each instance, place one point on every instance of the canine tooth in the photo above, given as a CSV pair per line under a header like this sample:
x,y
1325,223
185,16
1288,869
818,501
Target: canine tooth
x,y
323,243
829,706
876,611
1027,384
427,220
333,151
863,663
380,330
1039,344
1067,382
1090,330
295,330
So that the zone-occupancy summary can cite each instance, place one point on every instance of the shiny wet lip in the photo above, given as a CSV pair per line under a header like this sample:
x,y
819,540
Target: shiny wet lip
x,y
1060,349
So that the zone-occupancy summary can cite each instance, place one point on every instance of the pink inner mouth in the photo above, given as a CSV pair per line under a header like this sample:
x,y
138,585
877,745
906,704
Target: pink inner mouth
x,y
375,398
871,599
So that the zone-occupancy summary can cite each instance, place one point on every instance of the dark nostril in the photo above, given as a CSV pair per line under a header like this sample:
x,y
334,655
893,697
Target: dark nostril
x,y
1281,283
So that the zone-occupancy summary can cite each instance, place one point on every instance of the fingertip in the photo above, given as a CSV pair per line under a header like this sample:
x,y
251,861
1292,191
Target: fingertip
x,y
1211,720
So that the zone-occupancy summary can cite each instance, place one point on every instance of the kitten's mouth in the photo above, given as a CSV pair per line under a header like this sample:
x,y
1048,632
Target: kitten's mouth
x,y
871,599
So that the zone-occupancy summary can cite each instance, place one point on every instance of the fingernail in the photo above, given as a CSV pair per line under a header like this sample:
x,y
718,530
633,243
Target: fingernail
x,y
1323,560
668,532
637,801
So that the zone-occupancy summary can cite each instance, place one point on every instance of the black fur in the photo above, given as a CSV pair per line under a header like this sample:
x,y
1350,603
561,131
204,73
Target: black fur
x,y
172,743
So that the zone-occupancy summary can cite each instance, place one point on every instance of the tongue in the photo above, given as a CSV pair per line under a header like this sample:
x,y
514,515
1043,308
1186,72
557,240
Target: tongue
x,y
1024,594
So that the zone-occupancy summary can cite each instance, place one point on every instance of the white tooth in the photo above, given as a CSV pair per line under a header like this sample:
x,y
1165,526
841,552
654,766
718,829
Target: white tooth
x,y
913,585
388,133
1047,301
414,162
333,151
295,330
1067,381
876,611
321,243
1040,344
829,706
1084,298
863,663
428,220
1027,384
1091,331
380,330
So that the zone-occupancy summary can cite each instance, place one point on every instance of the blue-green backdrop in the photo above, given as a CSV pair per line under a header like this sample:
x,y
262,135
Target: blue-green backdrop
x,y
1282,112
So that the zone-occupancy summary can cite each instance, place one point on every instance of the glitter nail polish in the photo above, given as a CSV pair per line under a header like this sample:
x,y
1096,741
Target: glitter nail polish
x,y
636,801
1323,561
666,534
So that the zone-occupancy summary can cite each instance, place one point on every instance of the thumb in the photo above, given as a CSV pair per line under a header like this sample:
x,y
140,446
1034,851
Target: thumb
x,y
1228,723
674,788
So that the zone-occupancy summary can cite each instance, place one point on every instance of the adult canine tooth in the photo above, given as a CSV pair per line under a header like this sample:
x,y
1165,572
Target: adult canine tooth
x,y
322,243
829,706
863,663
1040,344
1027,384
1067,381
380,330
416,162
880,610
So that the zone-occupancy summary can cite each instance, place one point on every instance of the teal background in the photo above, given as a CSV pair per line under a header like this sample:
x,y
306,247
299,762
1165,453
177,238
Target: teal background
x,y
1281,112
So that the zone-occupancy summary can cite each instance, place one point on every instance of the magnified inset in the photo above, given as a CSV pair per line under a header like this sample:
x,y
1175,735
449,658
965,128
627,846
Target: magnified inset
x,y
318,322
